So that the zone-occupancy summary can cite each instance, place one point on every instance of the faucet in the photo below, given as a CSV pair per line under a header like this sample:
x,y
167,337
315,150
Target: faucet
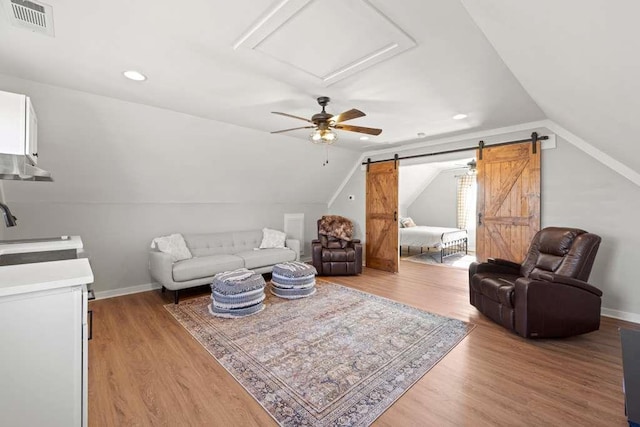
x,y
9,219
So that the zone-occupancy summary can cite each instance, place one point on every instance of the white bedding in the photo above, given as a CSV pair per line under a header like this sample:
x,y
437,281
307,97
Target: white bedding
x,y
425,236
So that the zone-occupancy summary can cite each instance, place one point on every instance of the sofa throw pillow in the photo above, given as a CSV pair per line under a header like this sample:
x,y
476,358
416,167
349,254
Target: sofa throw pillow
x,y
272,239
173,245
408,222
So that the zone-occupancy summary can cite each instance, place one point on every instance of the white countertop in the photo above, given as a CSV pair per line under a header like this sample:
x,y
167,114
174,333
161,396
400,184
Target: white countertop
x,y
40,276
71,242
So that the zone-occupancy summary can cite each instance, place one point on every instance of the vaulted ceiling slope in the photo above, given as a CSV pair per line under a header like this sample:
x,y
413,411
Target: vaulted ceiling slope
x,y
578,60
106,151
187,51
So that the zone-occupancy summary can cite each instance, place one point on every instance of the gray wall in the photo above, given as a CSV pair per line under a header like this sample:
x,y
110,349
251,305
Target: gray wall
x,y
125,173
353,209
437,204
117,235
577,191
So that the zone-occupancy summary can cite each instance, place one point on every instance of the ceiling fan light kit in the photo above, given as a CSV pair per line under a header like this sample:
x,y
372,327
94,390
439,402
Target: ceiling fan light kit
x,y
323,136
473,168
324,123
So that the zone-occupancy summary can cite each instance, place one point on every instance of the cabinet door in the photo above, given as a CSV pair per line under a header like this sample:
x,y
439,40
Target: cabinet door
x,y
31,149
12,123
41,358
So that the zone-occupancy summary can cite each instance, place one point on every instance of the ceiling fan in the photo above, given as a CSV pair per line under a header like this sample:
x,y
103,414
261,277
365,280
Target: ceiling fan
x,y
324,123
471,167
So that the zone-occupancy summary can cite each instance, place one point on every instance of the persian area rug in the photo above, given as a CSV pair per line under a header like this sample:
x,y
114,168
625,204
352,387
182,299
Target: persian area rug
x,y
340,357
458,260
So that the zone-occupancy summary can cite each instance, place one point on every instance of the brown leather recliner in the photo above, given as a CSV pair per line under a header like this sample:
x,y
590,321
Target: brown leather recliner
x,y
335,257
547,295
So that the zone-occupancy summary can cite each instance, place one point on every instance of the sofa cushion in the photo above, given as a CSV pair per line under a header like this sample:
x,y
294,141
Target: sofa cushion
x,y
174,245
272,239
264,257
210,244
339,255
204,266
223,243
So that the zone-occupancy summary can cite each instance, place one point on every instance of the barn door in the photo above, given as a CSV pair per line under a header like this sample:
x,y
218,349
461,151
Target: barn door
x,y
508,200
382,216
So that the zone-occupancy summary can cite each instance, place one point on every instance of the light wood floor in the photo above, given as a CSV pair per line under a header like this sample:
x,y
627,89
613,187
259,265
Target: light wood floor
x,y
145,369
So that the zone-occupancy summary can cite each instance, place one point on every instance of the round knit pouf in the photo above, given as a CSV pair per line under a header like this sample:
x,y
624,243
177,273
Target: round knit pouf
x,y
237,293
292,280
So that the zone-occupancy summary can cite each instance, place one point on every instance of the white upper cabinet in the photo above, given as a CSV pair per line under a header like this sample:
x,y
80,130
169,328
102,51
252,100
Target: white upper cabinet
x,y
18,126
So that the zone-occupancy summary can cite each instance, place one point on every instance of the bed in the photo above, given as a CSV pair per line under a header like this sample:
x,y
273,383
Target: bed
x,y
449,241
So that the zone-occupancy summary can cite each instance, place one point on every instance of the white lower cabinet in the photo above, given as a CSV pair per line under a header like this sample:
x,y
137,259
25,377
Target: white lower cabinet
x,y
43,357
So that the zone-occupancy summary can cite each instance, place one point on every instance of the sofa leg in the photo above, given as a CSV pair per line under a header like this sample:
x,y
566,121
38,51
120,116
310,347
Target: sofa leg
x,y
163,289
176,297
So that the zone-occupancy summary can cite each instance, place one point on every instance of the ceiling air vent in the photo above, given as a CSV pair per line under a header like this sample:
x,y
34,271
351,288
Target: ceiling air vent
x,y
36,17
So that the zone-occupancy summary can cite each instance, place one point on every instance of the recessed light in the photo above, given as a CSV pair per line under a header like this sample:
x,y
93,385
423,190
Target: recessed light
x,y
459,116
135,75
364,138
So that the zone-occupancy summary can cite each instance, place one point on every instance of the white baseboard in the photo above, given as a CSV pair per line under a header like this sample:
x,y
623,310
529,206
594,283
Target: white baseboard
x,y
607,312
127,291
621,315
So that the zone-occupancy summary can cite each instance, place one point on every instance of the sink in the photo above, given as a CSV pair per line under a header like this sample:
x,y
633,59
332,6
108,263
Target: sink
x,y
33,257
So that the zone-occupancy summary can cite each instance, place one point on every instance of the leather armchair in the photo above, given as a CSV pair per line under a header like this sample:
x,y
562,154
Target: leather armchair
x,y
547,295
336,257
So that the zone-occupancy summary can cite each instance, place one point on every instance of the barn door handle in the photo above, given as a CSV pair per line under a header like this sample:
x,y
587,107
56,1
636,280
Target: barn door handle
x,y
395,215
480,218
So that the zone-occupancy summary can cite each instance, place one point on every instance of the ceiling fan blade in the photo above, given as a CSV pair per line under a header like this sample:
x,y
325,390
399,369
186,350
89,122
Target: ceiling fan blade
x,y
348,115
287,130
292,116
370,131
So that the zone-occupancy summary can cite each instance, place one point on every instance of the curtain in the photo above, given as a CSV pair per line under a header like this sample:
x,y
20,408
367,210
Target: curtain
x,y
466,201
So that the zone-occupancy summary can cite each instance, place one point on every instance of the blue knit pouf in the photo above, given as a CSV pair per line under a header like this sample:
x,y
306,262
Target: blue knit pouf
x,y
292,280
237,293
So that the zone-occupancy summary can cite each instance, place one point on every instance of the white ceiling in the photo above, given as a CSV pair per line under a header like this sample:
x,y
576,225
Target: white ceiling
x,y
409,67
579,61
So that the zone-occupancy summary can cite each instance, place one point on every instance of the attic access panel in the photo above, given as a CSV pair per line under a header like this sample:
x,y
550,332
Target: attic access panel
x,y
326,46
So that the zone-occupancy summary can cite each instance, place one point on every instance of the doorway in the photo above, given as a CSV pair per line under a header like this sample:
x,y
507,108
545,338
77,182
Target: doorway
x,y
439,198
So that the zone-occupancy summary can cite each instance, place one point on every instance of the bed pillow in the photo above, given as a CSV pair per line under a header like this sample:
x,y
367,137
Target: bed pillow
x,y
272,239
408,222
173,245
400,222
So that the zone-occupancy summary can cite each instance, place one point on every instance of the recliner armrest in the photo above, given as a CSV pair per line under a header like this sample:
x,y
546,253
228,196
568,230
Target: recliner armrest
x,y
316,255
553,309
505,263
565,280
494,267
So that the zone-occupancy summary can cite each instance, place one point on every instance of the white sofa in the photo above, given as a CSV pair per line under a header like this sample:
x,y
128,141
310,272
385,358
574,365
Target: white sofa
x,y
214,253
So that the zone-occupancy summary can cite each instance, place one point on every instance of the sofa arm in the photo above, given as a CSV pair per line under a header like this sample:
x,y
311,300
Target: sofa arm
x,y
294,244
161,268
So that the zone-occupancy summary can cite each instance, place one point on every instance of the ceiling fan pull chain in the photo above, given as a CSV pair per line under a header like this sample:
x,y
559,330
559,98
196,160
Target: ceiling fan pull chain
x,y
326,161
